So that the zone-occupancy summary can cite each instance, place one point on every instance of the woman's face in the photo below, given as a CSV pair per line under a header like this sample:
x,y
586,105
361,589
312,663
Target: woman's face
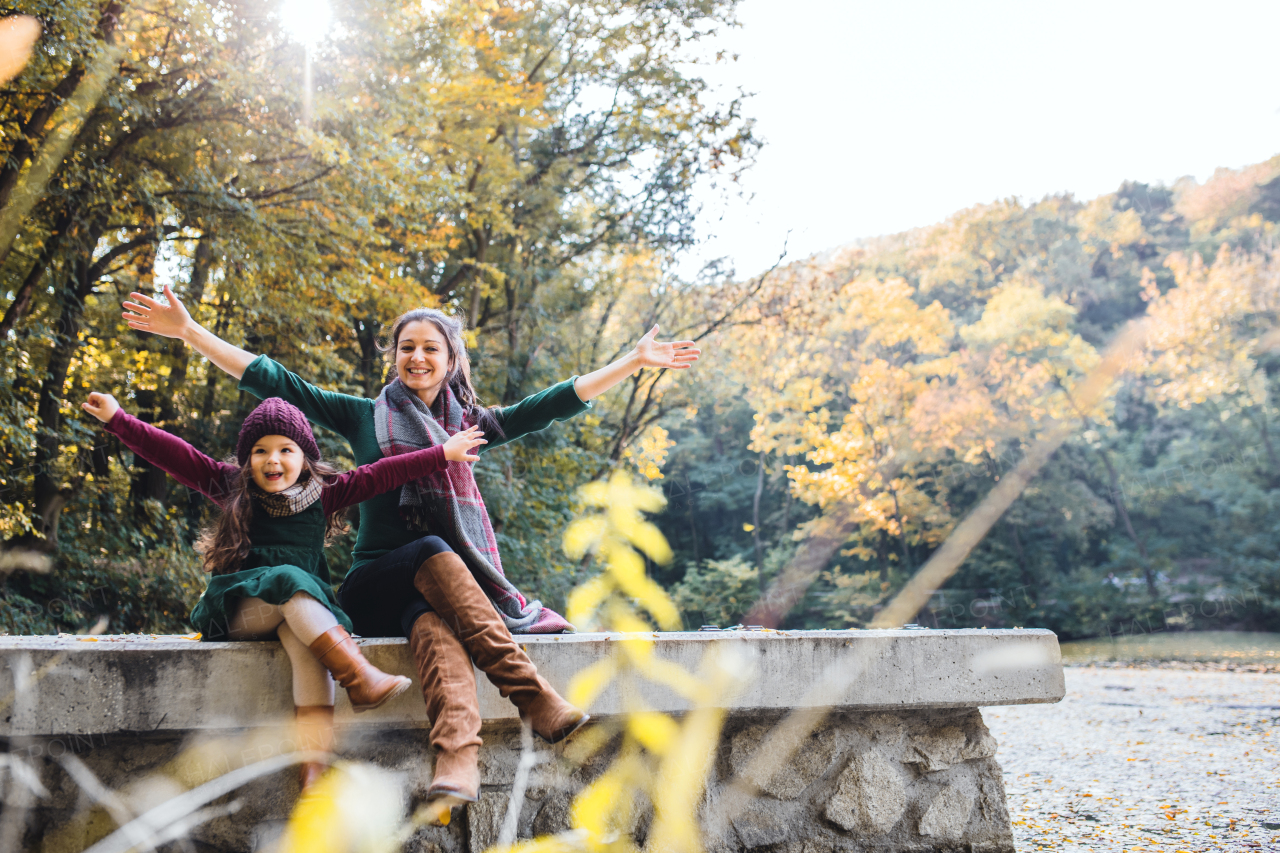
x,y
275,463
422,359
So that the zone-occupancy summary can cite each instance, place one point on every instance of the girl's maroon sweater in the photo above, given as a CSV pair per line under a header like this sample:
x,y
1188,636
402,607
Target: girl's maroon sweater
x,y
213,479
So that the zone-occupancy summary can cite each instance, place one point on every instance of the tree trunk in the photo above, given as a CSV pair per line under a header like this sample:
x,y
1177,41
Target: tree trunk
x,y
882,555
1118,501
148,482
511,393
1022,557
22,300
693,521
1266,443
902,530
21,303
785,527
50,495
755,523
33,128
370,364
100,458
473,314
195,500
211,380
180,352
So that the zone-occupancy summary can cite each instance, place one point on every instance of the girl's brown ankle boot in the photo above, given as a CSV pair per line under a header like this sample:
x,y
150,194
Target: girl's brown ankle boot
x,y
367,686
314,727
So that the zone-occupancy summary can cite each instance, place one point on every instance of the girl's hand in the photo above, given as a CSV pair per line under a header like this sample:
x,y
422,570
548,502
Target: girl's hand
x,y
101,406
673,355
149,315
458,447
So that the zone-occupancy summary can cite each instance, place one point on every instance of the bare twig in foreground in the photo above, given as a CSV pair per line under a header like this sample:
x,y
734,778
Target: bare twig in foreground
x,y
101,794
23,787
161,821
528,760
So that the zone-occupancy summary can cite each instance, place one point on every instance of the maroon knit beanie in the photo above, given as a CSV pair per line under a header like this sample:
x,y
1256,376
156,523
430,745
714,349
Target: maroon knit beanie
x,y
276,417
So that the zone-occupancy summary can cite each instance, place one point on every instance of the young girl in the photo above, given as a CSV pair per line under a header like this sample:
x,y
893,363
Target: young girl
x,y
266,551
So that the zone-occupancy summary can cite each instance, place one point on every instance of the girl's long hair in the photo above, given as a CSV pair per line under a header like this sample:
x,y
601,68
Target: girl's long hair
x,y
225,543
459,377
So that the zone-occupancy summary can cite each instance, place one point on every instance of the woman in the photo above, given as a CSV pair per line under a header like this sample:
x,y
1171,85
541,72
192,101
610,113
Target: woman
x,y
426,563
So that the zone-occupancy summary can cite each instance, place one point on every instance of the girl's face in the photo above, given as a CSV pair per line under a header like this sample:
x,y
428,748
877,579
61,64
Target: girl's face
x,y
275,462
422,359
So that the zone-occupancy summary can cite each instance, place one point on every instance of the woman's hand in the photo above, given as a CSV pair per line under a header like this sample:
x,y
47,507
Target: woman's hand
x,y
673,355
149,315
669,355
458,447
172,321
101,406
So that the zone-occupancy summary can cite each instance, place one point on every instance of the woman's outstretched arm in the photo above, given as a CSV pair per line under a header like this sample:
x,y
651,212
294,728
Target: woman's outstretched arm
x,y
567,399
173,321
338,412
673,355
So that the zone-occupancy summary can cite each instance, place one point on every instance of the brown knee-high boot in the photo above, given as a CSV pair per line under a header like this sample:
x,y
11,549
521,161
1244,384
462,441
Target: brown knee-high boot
x,y
314,728
367,686
449,689
448,586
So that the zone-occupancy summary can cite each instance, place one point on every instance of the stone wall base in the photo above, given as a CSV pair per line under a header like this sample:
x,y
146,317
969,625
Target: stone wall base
x,y
921,780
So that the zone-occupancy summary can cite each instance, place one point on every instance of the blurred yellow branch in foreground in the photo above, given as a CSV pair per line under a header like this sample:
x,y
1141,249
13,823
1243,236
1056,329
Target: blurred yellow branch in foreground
x,y
661,760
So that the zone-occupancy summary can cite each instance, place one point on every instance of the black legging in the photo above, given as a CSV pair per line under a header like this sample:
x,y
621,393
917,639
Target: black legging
x,y
380,596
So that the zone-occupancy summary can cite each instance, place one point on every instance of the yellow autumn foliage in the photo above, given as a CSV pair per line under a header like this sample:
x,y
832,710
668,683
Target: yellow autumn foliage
x,y
875,393
661,760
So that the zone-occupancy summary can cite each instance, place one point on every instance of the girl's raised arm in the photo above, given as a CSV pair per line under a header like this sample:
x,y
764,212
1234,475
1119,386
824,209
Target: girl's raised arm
x,y
171,454
173,321
391,472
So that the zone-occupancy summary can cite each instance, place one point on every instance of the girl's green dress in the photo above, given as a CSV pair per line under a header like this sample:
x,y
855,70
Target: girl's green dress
x,y
287,558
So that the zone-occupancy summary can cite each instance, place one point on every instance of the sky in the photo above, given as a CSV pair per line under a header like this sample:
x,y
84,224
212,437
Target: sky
x,y
883,116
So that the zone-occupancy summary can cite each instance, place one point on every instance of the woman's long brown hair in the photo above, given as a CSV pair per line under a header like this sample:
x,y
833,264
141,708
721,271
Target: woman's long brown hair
x,y
225,543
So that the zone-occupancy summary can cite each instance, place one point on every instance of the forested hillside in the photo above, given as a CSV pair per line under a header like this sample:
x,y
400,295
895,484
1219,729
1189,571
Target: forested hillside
x,y
904,375
533,171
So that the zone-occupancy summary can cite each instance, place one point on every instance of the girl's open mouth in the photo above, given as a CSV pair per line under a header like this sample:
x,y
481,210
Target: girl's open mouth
x,y
273,475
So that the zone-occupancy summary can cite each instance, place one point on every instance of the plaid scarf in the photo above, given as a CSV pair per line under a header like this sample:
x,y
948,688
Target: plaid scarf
x,y
292,500
451,499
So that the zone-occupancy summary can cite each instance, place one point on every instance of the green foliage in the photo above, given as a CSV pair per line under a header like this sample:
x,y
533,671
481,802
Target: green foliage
x,y
457,155
717,592
142,584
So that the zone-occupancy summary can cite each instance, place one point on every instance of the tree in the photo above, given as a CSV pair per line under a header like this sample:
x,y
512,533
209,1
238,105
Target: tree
x,y
457,155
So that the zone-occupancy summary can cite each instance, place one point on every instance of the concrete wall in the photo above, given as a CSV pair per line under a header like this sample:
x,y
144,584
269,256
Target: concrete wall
x,y
902,761
133,683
